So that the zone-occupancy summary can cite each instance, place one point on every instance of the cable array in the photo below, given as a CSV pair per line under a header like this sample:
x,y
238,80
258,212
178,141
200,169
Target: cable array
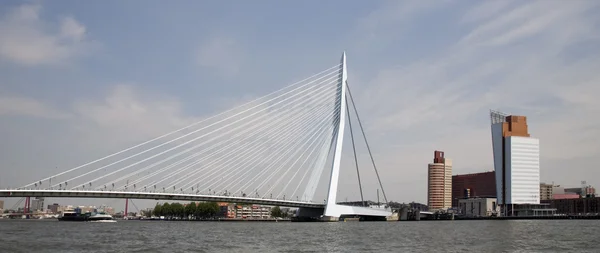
x,y
272,147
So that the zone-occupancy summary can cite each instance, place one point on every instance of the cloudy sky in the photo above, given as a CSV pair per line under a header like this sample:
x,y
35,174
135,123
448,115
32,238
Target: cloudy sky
x,y
80,79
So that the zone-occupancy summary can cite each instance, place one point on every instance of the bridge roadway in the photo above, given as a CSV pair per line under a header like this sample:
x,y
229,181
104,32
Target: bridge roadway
x,y
156,196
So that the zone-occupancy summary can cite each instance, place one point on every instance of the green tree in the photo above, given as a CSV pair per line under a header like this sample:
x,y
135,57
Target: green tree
x,y
177,210
166,210
190,209
157,210
276,212
212,209
200,210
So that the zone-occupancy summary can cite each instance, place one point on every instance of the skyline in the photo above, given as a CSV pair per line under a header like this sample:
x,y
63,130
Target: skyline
x,y
75,85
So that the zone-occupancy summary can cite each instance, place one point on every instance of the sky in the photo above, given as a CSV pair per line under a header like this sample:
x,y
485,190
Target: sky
x,y
79,80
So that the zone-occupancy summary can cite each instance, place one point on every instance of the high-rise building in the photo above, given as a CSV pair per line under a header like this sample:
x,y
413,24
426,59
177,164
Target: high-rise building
x,y
476,185
1,204
516,160
439,182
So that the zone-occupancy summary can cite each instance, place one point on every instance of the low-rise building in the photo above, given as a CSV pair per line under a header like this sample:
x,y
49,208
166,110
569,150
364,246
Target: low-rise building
x,y
577,206
565,196
478,207
252,212
476,185
585,191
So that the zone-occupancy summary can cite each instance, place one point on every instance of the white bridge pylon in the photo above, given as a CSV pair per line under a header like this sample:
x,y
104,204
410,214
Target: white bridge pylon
x,y
333,210
274,148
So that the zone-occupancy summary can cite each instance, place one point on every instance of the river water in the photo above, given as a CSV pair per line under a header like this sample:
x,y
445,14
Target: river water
x,y
185,236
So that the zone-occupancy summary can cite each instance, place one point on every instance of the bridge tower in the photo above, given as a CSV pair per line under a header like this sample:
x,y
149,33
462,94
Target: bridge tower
x,y
332,210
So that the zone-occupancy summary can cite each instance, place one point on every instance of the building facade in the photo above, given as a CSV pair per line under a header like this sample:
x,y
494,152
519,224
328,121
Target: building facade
x,y
546,191
478,207
575,206
516,160
439,182
584,191
252,212
37,204
54,208
482,185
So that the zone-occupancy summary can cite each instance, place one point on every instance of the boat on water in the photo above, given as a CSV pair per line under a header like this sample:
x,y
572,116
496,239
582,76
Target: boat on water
x,y
73,216
92,217
101,217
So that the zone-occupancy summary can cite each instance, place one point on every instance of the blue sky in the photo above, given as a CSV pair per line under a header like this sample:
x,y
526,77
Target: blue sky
x,y
81,79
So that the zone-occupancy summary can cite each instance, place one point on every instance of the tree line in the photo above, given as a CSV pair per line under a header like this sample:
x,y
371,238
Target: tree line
x,y
201,210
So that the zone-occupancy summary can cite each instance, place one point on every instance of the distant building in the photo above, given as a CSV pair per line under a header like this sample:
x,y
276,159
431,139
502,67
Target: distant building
x,y
482,185
578,206
252,212
439,183
1,204
37,204
565,196
54,208
585,191
418,206
226,210
546,191
516,161
478,207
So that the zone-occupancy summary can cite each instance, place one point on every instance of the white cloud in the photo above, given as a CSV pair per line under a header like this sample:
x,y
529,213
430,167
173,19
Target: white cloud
x,y
128,115
15,105
28,40
220,53
486,10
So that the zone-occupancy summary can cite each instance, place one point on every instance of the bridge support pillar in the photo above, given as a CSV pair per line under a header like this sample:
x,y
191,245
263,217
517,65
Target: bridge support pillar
x,y
330,218
308,214
27,207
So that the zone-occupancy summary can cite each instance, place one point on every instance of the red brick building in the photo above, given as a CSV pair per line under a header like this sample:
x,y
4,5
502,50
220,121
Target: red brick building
x,y
473,185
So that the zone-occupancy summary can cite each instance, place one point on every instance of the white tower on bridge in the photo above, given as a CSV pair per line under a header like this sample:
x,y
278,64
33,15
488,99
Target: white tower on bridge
x,y
332,210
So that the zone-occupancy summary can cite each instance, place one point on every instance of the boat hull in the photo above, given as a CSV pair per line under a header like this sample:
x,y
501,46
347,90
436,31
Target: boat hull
x,y
78,218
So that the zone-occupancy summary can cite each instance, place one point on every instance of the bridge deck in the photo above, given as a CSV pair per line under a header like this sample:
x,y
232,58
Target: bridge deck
x,y
156,196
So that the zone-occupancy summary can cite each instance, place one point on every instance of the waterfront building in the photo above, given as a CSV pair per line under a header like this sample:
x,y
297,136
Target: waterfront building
x,y
575,206
478,207
252,212
475,185
516,161
546,191
226,210
439,182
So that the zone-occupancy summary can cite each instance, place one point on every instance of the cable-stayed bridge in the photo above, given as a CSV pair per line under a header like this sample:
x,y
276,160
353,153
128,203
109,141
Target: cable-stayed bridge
x,y
272,150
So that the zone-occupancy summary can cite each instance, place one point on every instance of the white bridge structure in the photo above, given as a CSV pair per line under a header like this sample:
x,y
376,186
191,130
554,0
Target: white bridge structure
x,y
272,151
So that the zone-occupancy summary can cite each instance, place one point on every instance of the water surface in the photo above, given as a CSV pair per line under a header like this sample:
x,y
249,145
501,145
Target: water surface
x,y
180,236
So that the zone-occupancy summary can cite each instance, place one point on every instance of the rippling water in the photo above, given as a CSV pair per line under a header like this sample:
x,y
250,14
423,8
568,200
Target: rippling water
x,y
423,236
